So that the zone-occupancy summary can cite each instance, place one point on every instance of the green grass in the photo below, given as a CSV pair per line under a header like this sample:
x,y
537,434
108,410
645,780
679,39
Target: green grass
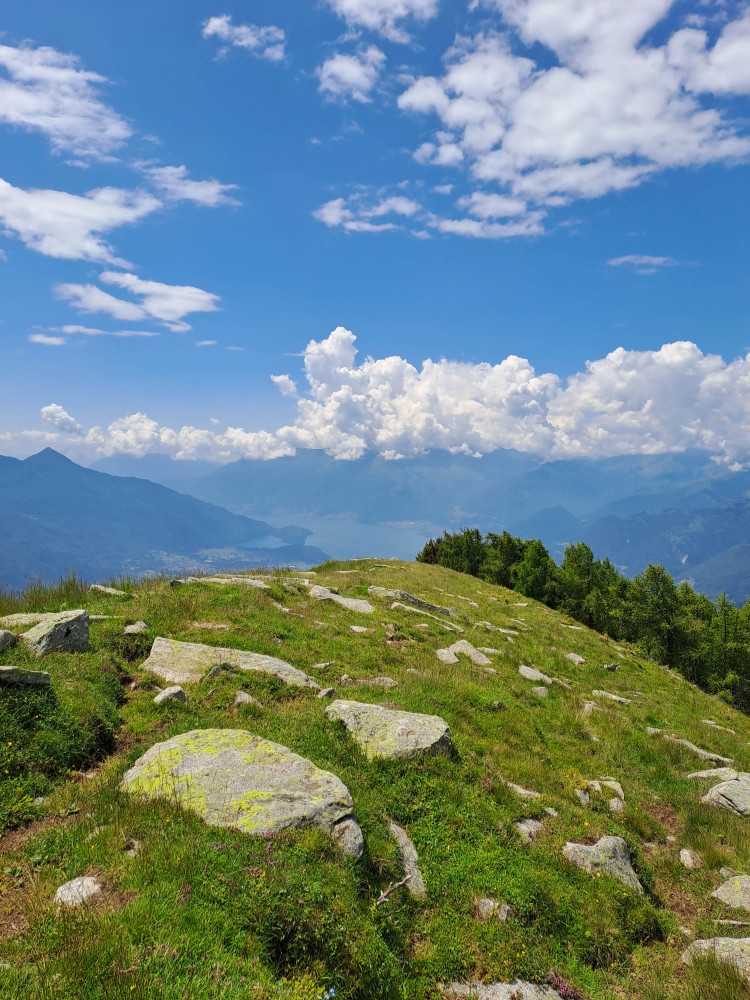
x,y
200,912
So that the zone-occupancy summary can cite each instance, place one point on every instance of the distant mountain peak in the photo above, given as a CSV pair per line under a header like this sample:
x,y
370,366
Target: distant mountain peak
x,y
48,457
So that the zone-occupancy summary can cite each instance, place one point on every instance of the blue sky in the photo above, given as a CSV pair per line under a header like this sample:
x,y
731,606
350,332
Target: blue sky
x,y
530,219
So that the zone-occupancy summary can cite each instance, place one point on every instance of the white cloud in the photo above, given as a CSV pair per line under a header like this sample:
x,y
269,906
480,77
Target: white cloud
x,y
265,42
59,417
351,77
383,15
44,338
70,226
643,263
174,184
206,343
47,91
615,100
88,331
286,386
169,304
629,402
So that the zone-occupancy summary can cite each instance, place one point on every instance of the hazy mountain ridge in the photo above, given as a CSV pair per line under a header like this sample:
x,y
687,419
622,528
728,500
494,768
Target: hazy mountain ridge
x,y
57,517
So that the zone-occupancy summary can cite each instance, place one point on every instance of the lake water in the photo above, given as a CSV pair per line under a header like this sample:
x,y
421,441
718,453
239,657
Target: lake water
x,y
347,538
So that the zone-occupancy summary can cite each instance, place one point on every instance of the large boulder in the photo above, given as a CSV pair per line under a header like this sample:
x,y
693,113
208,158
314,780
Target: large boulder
x,y
733,795
608,856
187,662
64,632
17,675
231,778
733,951
383,732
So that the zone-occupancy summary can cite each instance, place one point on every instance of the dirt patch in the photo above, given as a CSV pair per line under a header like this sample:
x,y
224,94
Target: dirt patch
x,y
665,814
13,840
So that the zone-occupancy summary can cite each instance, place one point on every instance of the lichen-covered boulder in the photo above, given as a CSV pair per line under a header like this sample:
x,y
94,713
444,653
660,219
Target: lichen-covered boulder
x,y
66,632
735,892
733,951
608,856
231,778
187,662
517,990
350,603
384,732
733,795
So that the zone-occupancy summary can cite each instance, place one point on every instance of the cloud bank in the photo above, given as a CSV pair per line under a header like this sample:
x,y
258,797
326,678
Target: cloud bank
x,y
630,402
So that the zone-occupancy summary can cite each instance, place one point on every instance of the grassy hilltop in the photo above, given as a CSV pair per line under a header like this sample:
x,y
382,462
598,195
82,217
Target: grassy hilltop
x,y
192,911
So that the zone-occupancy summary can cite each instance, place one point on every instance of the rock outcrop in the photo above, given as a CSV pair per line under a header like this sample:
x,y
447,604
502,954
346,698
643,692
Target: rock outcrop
x,y
187,662
733,951
733,795
608,856
64,632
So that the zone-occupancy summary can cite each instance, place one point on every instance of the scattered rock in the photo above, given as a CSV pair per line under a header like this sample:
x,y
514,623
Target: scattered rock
x,y
715,758
532,674
173,693
7,640
589,707
465,648
451,626
733,951
65,632
213,672
326,693
350,603
136,628
690,859
17,675
608,856
131,847
615,805
211,626
243,698
108,590
525,793
77,891
382,682
486,908
529,829
540,692
583,796
722,773
715,725
517,990
187,662
409,861
383,732
231,778
735,892
489,650
401,595
360,629
611,697
613,786
609,666
575,658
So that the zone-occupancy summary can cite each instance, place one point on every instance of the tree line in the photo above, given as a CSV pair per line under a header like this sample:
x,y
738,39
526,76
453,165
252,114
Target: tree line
x,y
707,641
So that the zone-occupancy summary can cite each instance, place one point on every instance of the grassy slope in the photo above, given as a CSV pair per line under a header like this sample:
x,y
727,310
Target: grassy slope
x,y
203,912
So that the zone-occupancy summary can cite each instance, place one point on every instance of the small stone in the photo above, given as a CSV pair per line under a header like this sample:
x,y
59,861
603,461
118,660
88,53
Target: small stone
x,y
525,793
243,698
615,805
611,697
409,861
173,693
532,674
609,666
540,692
446,656
690,859
7,640
136,628
108,590
322,666
583,796
551,812
487,908
360,629
529,829
575,658
326,693
77,891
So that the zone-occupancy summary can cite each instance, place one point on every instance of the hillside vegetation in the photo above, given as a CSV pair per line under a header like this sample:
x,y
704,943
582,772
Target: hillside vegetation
x,y
194,911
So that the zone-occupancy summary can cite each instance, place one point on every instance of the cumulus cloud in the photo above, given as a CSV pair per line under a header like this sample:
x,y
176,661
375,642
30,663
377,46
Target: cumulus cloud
x,y
383,15
169,304
175,184
286,386
47,91
555,102
351,77
46,340
629,402
264,42
59,417
71,226
356,213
